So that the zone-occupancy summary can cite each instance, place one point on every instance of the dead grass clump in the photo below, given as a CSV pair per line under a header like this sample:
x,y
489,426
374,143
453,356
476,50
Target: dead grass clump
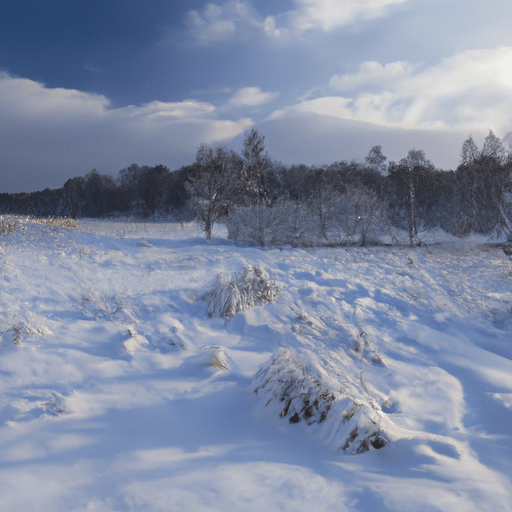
x,y
10,227
25,328
240,292
300,386
100,306
217,363
217,358
63,222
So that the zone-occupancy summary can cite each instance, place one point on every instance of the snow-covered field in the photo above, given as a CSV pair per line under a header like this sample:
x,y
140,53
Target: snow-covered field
x,y
119,393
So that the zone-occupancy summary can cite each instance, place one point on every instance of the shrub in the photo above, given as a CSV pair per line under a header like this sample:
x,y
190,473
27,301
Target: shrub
x,y
242,291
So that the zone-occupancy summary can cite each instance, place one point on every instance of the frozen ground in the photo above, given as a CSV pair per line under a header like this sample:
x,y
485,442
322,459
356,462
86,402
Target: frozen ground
x,y
119,393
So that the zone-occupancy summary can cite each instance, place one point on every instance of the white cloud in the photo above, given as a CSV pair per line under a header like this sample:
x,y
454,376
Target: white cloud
x,y
331,14
158,112
24,97
237,18
252,97
370,73
48,135
470,91
221,22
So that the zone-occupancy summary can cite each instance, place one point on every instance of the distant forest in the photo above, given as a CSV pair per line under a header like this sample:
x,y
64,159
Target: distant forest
x,y
343,201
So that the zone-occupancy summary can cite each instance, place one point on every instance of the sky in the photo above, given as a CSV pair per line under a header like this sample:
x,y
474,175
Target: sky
x,y
103,84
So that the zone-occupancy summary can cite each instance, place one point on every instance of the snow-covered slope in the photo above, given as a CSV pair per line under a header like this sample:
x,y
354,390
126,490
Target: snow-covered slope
x,y
368,379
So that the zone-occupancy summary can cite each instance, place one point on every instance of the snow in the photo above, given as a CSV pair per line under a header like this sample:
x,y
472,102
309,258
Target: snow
x,y
119,393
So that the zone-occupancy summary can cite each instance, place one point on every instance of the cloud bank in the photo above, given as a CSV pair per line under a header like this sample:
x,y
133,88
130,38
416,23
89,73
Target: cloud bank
x,y
471,91
48,135
312,138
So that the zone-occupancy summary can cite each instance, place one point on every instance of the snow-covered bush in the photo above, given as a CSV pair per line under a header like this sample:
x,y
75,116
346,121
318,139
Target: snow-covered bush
x,y
284,223
241,291
355,217
251,225
360,217
327,394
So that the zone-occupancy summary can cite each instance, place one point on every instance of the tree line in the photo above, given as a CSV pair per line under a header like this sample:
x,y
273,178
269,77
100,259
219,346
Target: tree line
x,y
263,201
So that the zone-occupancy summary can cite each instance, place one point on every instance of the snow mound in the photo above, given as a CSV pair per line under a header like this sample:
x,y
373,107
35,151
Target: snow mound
x,y
134,342
241,291
34,405
307,387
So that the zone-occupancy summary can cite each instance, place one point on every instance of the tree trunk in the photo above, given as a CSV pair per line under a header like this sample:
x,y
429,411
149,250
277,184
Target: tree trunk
x,y
413,230
208,225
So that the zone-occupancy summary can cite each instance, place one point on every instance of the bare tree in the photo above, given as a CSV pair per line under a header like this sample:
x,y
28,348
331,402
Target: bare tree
x,y
415,158
376,160
493,148
209,181
256,168
469,152
361,216
324,190
257,174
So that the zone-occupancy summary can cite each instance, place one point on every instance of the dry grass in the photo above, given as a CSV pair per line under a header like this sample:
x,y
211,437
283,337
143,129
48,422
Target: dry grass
x,y
241,291
26,327
10,227
217,363
63,222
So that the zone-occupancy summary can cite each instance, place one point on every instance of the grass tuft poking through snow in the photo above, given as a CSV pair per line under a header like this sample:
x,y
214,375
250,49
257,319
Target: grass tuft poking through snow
x,y
63,222
242,291
101,306
9,227
325,394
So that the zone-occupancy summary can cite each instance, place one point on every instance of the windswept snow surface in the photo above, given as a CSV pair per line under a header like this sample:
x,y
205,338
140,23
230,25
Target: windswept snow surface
x,y
119,393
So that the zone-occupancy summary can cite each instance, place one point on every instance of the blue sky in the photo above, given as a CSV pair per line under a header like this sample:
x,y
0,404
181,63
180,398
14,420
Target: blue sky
x,y
103,84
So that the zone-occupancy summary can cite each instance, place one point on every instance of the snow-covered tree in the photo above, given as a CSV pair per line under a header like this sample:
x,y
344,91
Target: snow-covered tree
x,y
324,190
209,181
415,158
361,216
256,168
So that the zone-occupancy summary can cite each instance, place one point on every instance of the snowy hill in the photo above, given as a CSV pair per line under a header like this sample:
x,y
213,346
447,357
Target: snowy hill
x,y
360,379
